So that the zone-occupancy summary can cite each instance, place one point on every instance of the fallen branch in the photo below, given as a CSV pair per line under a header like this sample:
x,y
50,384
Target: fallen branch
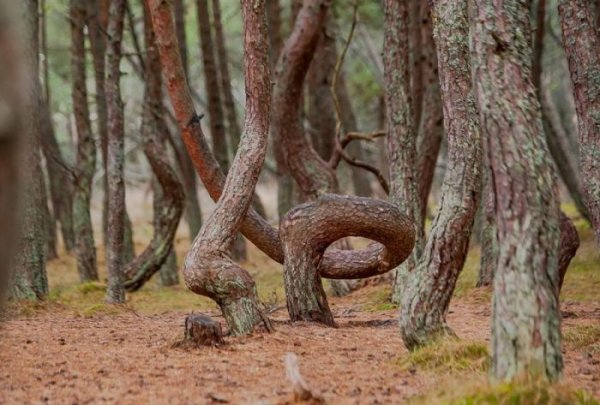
x,y
302,391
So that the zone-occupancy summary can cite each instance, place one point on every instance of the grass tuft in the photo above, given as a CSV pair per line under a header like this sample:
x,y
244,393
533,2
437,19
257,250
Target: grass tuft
x,y
448,354
583,337
515,393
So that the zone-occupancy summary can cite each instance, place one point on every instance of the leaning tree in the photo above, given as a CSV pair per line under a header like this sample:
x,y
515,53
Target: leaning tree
x,y
525,316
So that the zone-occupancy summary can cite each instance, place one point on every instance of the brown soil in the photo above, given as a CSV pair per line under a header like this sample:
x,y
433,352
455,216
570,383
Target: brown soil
x,y
130,358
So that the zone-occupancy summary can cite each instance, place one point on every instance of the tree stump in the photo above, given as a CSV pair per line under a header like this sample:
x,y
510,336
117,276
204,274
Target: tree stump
x,y
203,330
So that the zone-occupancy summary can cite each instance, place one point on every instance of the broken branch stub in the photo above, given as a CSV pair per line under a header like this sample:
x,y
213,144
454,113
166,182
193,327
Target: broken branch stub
x,y
309,229
202,330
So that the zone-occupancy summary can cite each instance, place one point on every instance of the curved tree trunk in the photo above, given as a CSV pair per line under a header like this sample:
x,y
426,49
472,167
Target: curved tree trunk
x,y
115,157
335,263
86,149
309,229
525,315
208,269
428,292
582,46
169,195
402,136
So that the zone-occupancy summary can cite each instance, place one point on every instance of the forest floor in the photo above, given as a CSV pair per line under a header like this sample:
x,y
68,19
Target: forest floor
x,y
74,349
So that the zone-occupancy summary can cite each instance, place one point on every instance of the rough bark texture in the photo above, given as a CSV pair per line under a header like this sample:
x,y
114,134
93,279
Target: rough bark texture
x,y
428,292
239,252
275,33
335,264
312,174
212,87
97,25
169,195
402,137
569,243
321,109
193,214
430,126
582,46
489,232
208,270
86,150
201,330
525,316
115,292
309,229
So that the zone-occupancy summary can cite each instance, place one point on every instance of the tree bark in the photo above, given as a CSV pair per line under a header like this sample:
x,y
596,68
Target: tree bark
x,y
336,263
489,232
430,126
428,292
401,132
86,151
31,257
211,83
168,191
208,270
11,137
193,213
309,229
115,292
525,316
233,129
275,32
582,46
97,24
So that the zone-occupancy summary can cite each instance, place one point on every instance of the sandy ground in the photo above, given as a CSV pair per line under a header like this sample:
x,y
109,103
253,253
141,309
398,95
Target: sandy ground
x,y
129,358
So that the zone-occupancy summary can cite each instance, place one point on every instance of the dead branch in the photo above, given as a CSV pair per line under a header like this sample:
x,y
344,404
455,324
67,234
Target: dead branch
x,y
302,391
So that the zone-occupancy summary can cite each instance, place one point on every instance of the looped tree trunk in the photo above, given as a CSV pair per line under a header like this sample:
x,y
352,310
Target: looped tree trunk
x,y
306,232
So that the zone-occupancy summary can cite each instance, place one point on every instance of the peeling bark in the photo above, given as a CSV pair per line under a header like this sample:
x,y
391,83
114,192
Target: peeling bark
x,y
582,46
525,316
428,292
402,136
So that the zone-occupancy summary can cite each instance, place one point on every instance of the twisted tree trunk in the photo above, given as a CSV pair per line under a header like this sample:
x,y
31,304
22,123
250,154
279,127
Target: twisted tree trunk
x,y
525,316
169,196
208,269
402,136
582,46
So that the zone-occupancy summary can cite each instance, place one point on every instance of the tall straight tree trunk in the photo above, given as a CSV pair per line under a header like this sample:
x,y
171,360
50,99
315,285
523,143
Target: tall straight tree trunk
x,y
97,23
86,149
208,270
49,221
193,215
525,316
428,292
31,257
430,126
275,32
211,84
115,292
11,136
582,46
402,137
